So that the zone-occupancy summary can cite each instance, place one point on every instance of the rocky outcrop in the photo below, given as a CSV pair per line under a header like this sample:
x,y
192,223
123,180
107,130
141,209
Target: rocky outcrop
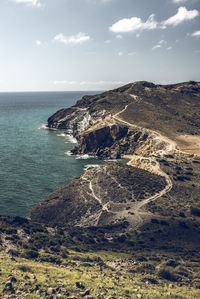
x,y
74,120
118,140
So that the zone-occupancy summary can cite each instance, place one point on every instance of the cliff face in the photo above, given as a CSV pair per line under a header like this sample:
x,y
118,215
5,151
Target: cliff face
x,y
167,110
151,125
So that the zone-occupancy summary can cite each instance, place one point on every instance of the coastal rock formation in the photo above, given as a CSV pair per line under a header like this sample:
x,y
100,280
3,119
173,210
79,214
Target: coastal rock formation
x,y
153,126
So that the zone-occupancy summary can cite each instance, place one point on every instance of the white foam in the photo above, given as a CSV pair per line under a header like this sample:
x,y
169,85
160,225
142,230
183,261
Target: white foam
x,y
110,160
61,135
70,138
83,157
68,153
90,166
43,127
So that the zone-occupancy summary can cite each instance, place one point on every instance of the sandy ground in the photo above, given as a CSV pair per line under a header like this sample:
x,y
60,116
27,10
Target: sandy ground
x,y
189,144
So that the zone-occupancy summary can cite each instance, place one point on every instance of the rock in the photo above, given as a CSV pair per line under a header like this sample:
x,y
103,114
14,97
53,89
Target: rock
x,y
85,293
8,288
13,279
80,285
51,291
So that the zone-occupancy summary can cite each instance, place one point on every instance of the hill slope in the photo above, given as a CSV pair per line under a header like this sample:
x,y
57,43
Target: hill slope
x,y
154,127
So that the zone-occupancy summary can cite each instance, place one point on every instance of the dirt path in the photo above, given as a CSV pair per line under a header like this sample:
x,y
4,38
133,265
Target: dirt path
x,y
134,214
137,207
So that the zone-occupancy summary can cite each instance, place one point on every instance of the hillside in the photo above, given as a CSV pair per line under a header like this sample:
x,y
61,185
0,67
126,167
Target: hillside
x,y
147,124
126,229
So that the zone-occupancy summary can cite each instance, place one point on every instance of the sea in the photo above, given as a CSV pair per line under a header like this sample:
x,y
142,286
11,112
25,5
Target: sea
x,y
34,161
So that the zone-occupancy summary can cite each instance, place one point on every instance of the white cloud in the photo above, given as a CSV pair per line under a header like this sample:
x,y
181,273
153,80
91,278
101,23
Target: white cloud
x,y
88,83
35,3
119,36
169,48
79,38
179,1
133,24
162,42
156,47
196,33
120,53
38,42
182,15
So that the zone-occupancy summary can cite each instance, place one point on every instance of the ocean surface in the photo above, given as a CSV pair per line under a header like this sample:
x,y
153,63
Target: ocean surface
x,y
33,159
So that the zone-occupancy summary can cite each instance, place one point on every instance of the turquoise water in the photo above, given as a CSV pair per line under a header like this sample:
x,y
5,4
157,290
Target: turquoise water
x,y
33,160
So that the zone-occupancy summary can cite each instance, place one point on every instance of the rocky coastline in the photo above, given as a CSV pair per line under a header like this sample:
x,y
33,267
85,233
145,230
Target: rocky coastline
x,y
117,230
117,124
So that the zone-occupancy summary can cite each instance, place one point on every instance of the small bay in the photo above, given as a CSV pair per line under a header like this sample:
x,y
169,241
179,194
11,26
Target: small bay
x,y
33,160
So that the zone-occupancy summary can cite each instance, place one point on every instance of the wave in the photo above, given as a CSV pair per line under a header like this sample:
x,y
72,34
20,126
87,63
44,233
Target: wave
x,y
61,135
110,160
86,167
43,127
70,138
68,153
84,157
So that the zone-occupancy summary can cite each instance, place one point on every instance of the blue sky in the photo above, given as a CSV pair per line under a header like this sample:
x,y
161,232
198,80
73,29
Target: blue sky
x,y
97,44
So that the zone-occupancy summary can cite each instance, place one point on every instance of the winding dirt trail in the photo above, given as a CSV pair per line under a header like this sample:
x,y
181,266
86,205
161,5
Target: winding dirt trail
x,y
169,184
136,216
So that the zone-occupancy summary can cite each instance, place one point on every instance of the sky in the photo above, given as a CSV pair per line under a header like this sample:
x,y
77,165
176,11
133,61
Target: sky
x,y
61,45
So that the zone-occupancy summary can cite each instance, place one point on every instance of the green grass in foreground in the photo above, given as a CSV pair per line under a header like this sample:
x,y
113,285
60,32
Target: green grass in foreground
x,y
100,274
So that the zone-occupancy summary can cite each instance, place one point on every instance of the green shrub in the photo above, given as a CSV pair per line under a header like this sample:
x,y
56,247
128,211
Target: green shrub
x,y
30,254
172,263
24,268
167,273
13,252
195,211
50,258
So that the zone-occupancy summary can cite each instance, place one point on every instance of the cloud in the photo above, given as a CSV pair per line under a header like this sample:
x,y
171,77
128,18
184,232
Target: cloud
x,y
38,42
120,53
119,36
79,38
169,48
88,83
133,24
35,3
196,33
179,1
162,42
182,15
156,47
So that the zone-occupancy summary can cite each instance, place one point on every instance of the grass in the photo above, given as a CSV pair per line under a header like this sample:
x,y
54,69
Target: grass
x,y
104,273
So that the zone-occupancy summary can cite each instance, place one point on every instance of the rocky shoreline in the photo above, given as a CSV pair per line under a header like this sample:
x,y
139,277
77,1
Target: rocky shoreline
x,y
107,126
118,230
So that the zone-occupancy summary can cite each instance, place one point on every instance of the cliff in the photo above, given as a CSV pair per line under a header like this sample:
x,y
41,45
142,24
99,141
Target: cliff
x,y
157,128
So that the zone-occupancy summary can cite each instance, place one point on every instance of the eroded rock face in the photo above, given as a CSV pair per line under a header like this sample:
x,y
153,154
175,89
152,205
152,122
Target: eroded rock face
x,y
101,196
74,120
